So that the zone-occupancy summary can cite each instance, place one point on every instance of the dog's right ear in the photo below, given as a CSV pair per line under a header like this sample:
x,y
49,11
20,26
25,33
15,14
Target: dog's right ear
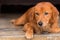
x,y
31,14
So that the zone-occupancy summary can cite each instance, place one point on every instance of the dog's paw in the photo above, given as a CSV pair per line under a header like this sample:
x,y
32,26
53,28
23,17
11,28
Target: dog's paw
x,y
29,36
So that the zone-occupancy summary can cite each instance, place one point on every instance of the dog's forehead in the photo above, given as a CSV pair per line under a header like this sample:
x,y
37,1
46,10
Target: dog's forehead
x,y
43,8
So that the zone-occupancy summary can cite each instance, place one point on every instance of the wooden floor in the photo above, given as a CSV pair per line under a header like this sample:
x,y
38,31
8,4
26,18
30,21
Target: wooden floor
x,y
9,30
6,28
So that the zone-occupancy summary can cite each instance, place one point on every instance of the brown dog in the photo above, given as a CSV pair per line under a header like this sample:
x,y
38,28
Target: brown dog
x,y
42,17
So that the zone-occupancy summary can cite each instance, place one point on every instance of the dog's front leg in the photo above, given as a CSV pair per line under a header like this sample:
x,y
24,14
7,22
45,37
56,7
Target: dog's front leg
x,y
29,31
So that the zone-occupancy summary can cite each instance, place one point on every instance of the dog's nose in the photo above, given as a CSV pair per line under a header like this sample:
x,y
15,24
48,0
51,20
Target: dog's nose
x,y
40,23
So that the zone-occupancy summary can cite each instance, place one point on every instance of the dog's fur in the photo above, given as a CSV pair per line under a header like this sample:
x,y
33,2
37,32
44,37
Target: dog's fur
x,y
44,12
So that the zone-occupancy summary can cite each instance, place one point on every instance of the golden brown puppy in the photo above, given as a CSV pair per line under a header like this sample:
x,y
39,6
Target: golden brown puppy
x,y
42,17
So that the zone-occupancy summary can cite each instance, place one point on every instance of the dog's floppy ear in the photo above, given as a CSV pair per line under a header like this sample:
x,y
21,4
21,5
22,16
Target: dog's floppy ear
x,y
31,14
55,16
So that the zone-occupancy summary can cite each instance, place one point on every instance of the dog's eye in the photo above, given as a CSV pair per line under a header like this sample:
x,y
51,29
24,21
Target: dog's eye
x,y
36,14
46,13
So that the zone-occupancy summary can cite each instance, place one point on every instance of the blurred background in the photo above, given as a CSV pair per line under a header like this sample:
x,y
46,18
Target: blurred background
x,y
20,6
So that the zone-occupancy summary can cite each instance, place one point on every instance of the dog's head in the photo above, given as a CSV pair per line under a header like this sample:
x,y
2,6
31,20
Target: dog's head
x,y
45,13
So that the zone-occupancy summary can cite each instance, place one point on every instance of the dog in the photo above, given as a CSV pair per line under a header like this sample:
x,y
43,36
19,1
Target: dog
x,y
41,17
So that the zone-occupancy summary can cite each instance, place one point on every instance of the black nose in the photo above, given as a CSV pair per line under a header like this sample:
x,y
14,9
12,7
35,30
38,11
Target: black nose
x,y
40,23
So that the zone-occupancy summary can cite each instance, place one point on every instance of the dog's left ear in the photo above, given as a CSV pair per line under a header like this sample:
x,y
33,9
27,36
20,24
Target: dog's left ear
x,y
55,14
